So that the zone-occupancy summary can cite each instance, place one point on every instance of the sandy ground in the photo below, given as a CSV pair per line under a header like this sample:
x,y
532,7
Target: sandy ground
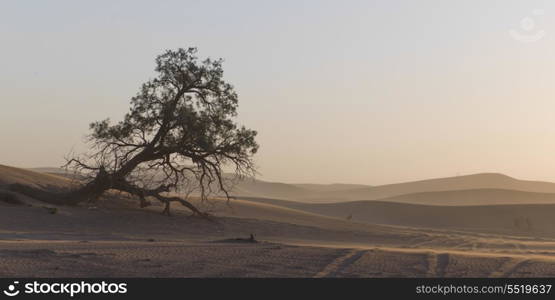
x,y
109,240
81,242
224,259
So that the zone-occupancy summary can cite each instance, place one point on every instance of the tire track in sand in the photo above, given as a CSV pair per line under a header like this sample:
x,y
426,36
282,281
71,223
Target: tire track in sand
x,y
340,263
508,268
437,264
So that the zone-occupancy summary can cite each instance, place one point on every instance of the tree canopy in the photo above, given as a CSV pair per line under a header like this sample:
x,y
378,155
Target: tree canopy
x,y
180,133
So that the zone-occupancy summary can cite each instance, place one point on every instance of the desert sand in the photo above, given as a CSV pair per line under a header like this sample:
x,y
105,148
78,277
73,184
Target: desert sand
x,y
455,227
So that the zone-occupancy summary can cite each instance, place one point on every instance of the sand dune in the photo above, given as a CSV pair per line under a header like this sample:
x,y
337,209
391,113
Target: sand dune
x,y
10,175
526,217
36,214
482,208
476,181
474,197
253,187
519,219
381,239
263,211
339,193
52,170
133,242
443,198
333,187
490,187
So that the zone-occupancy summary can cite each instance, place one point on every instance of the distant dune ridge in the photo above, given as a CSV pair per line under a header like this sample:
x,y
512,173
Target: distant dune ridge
x,y
488,186
466,182
344,192
490,202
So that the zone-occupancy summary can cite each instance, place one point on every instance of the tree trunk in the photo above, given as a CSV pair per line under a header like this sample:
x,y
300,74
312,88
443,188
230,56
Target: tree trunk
x,y
92,190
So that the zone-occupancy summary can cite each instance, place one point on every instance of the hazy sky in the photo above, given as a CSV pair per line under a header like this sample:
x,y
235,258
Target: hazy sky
x,y
340,91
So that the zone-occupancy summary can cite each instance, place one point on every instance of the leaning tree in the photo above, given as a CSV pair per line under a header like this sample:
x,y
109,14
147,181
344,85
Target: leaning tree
x,y
180,133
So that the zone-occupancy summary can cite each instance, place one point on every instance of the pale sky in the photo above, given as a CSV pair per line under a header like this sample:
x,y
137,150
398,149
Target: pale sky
x,y
368,92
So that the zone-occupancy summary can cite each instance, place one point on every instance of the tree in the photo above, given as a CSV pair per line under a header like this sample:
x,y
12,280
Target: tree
x,y
179,134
